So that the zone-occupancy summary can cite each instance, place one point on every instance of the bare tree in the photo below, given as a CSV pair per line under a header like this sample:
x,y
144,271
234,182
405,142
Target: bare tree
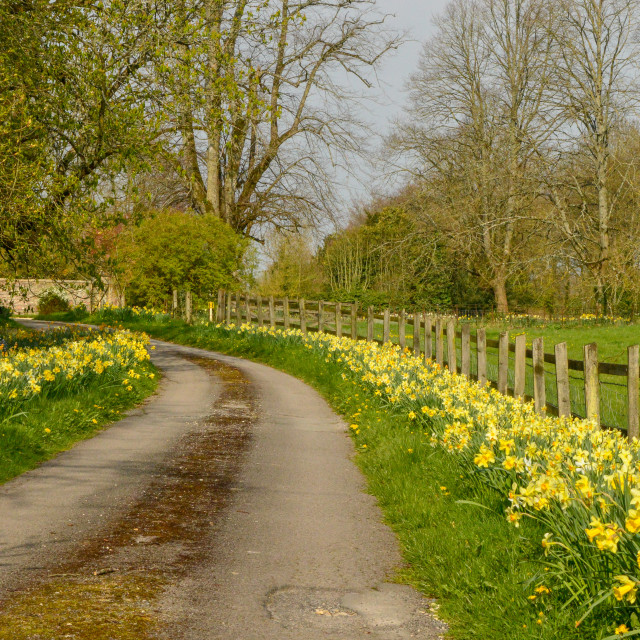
x,y
596,94
258,103
478,99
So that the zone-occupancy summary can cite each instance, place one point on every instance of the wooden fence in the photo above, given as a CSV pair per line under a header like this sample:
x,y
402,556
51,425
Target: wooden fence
x,y
431,334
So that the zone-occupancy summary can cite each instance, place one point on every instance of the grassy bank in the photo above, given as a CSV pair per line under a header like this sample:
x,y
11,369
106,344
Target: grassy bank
x,y
458,546
47,426
59,387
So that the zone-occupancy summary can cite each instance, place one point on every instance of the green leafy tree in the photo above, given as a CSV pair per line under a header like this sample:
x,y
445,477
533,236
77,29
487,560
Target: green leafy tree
x,y
73,115
293,270
175,250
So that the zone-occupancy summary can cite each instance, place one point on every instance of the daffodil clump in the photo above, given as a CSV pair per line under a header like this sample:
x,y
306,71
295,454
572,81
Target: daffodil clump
x,y
111,313
70,366
19,338
581,482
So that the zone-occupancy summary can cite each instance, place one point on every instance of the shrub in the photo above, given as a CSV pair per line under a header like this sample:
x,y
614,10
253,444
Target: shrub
x,y
52,301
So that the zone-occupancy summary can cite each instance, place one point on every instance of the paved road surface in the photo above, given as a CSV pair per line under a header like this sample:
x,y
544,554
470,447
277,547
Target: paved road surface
x,y
234,490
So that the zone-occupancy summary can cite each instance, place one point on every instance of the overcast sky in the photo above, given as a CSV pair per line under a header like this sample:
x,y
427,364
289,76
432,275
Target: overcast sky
x,y
415,17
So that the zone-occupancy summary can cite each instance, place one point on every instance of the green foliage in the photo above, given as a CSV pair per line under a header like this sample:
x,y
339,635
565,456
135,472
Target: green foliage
x,y
175,250
294,270
391,258
52,301
72,117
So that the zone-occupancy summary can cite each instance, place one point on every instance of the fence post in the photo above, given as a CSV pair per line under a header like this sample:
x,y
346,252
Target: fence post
x,y
259,312
633,355
402,329
285,313
416,333
539,388
591,382
370,324
238,310
562,380
339,319
520,368
188,306
481,336
210,310
354,321
439,342
272,312
465,348
227,308
175,303
428,342
220,307
320,316
452,357
247,305
386,327
303,316
503,363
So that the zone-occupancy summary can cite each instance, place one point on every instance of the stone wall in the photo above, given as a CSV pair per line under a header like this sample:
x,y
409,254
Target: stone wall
x,y
22,295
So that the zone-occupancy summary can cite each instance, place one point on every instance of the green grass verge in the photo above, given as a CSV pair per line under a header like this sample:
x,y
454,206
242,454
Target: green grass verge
x,y
46,426
481,569
73,315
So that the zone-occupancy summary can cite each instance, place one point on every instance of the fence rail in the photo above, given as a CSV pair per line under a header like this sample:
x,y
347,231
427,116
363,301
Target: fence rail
x,y
515,369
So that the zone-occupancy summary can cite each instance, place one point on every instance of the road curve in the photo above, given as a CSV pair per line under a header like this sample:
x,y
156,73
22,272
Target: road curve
x,y
282,542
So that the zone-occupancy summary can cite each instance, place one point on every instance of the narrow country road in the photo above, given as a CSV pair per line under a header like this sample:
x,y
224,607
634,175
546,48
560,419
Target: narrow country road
x,y
226,508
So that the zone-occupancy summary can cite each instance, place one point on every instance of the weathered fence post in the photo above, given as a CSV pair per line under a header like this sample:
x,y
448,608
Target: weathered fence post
x,y
259,311
285,313
320,316
416,333
227,308
247,306
539,388
591,382
370,324
220,307
428,342
210,310
354,321
175,303
465,348
188,306
503,363
402,329
339,319
439,342
562,380
386,327
633,375
272,312
303,316
481,337
520,368
238,310
452,358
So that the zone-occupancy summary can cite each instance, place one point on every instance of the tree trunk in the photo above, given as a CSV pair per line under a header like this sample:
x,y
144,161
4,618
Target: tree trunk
x,y
500,294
